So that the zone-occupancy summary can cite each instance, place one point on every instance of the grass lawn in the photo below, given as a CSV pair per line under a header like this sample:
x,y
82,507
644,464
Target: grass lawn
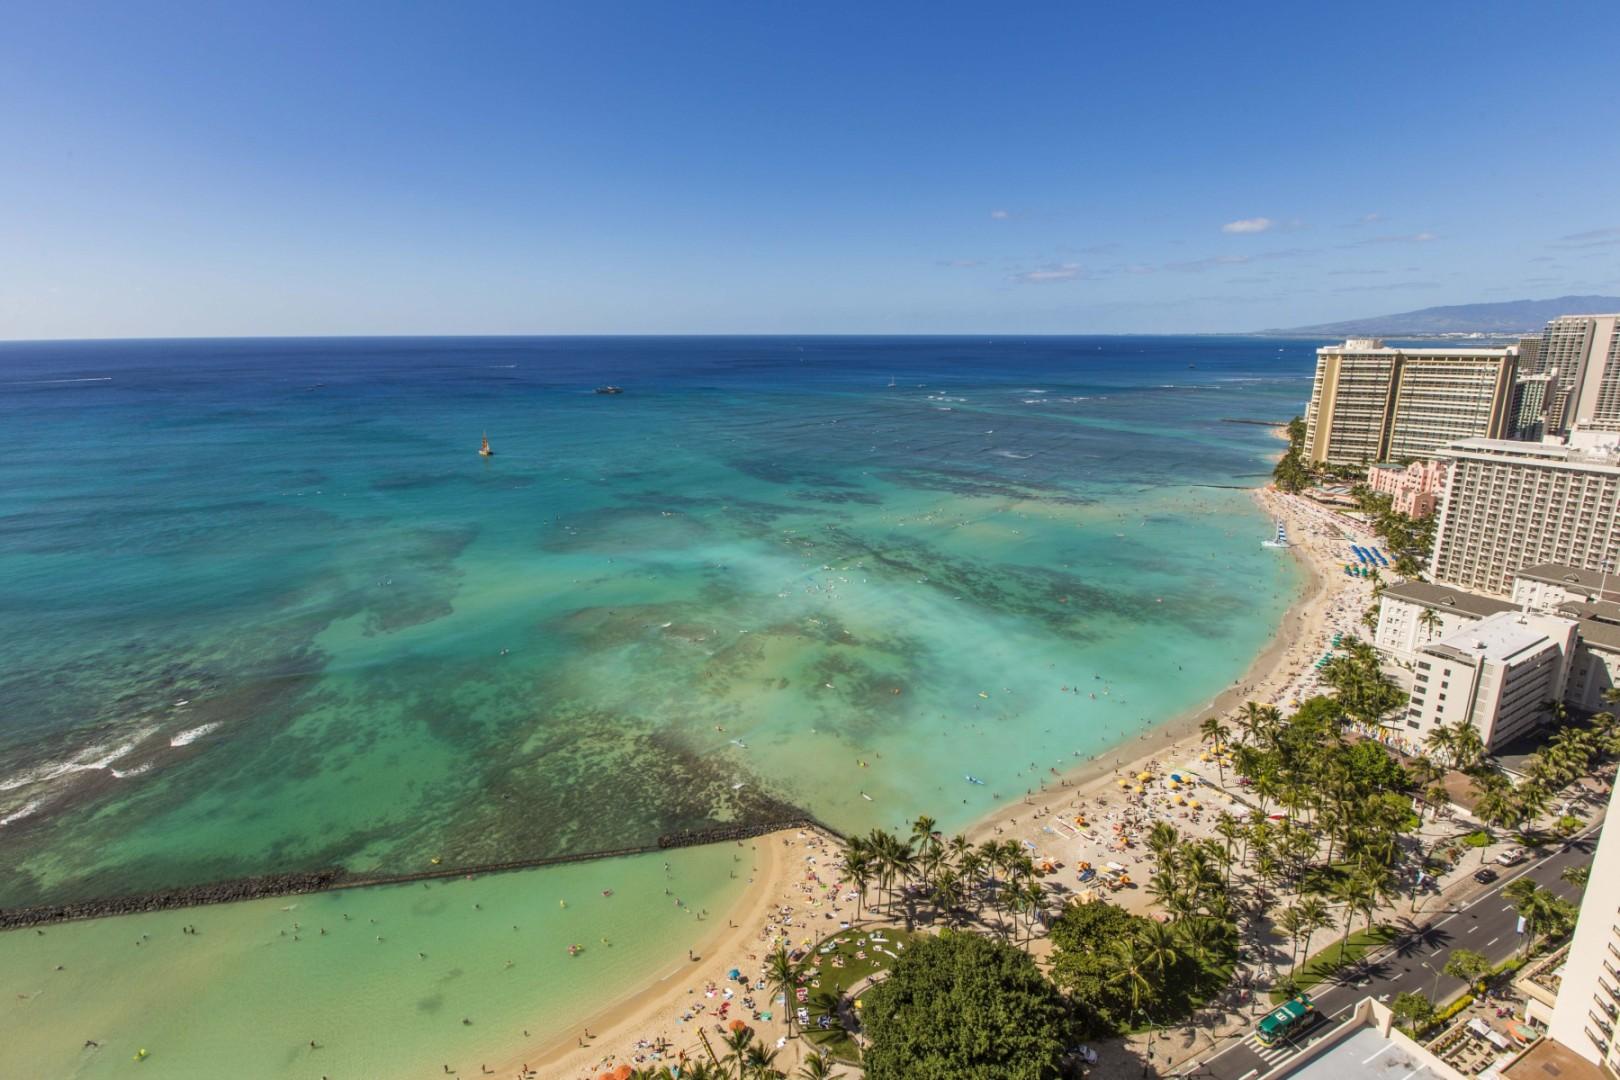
x,y
1327,963
859,956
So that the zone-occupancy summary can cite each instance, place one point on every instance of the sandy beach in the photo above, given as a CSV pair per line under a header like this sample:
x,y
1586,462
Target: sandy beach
x,y
793,895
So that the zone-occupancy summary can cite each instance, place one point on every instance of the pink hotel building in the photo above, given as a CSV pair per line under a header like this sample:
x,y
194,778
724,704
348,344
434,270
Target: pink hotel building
x,y
1414,488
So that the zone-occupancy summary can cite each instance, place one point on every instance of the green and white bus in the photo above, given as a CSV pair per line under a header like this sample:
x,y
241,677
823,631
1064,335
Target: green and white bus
x,y
1283,1021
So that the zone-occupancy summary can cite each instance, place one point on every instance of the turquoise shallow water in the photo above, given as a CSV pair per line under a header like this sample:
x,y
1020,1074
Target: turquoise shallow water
x,y
265,608
245,994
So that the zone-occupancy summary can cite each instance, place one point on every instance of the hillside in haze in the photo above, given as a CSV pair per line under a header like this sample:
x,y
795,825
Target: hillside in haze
x,y
1505,317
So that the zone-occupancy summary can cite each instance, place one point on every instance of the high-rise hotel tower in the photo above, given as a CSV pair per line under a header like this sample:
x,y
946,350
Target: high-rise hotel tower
x,y
1371,403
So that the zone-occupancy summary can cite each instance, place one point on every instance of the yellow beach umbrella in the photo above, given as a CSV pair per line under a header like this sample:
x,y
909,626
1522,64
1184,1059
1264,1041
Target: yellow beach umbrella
x,y
1140,789
1124,782
1144,776
1193,803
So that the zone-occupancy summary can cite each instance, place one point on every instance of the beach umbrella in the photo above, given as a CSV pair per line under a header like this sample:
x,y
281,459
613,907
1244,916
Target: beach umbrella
x,y
1144,776
1140,789
623,1072
738,1025
1124,782
1193,803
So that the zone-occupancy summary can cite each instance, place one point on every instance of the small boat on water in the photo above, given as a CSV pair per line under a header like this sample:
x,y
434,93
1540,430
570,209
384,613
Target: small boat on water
x,y
970,778
610,389
484,450
1280,540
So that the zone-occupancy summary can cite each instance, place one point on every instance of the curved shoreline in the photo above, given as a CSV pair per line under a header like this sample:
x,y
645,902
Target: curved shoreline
x,y
1293,643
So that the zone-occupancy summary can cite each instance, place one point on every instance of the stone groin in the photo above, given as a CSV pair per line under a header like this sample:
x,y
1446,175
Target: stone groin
x,y
219,892
272,885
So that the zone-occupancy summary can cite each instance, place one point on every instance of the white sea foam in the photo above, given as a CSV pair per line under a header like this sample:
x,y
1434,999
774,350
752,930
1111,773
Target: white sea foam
x,y
18,815
1011,454
86,760
136,771
191,735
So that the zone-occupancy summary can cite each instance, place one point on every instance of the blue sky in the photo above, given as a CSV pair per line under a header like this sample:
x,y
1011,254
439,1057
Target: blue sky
x,y
174,169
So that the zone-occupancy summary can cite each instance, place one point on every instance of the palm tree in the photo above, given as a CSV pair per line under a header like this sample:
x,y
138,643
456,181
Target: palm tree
x,y
761,1062
1577,875
1216,734
782,975
817,1067
1228,828
1468,749
1314,915
1431,622
737,1043
858,864
925,833
1442,743
1161,949
1131,970
1162,840
1535,904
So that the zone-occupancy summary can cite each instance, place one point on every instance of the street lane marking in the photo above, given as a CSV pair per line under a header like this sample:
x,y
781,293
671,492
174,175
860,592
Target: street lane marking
x,y
1471,929
1491,942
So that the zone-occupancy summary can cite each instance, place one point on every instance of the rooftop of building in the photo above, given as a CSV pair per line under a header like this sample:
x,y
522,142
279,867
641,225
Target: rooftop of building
x,y
1447,598
1550,1059
1561,574
1423,354
1603,635
1369,1055
1501,637
1532,453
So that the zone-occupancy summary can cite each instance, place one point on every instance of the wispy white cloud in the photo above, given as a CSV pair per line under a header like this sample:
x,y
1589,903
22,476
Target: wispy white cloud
x,y
1000,215
1589,238
961,264
1391,286
1248,225
1405,238
1194,266
1051,272
1363,221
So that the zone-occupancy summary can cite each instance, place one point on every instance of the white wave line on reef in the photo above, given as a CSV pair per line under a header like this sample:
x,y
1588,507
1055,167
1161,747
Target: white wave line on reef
x,y
18,815
87,760
191,735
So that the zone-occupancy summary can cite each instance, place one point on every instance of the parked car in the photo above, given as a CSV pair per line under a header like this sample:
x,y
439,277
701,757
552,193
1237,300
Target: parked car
x,y
1512,857
1485,875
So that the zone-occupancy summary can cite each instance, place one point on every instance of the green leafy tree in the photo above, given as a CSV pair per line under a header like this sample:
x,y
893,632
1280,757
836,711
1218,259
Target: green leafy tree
x,y
962,1005
1467,965
1411,1010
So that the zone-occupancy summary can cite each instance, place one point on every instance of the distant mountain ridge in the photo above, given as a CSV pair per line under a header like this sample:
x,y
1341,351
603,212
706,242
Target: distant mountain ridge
x,y
1503,317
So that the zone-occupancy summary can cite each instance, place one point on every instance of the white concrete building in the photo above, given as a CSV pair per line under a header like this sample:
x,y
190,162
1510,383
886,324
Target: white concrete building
x,y
1412,614
1589,994
1547,586
1495,674
1508,505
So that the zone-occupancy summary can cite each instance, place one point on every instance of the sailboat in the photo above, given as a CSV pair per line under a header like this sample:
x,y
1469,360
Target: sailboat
x,y
484,450
1282,537
891,382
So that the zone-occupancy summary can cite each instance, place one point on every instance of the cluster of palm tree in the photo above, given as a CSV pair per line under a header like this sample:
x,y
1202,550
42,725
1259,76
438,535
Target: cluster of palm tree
x,y
745,1059
954,879
1569,754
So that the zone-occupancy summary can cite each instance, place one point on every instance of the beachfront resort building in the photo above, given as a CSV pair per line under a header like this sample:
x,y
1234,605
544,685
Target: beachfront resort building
x,y
1413,489
1554,639
1496,674
1584,1016
1370,402
1582,352
1507,505
1412,614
